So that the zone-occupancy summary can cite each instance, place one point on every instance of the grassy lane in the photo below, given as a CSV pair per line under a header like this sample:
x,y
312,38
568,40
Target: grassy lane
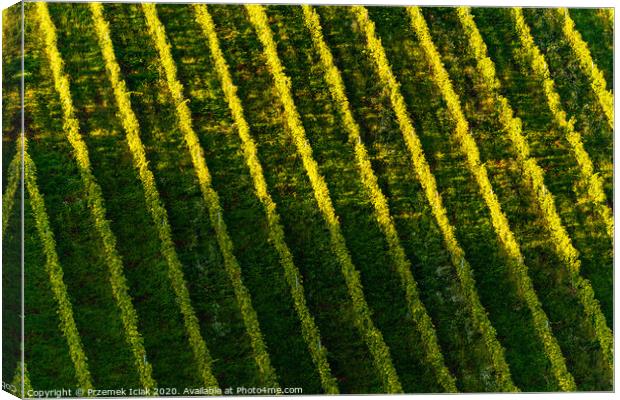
x,y
209,286
159,320
308,237
373,337
369,247
231,151
549,274
466,210
598,37
551,150
88,196
573,85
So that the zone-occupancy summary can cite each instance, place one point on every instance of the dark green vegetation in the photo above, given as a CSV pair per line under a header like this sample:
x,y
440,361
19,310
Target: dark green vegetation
x,y
160,322
11,251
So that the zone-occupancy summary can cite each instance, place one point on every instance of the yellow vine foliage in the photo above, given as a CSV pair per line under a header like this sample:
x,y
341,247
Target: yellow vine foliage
x,y
587,64
372,336
535,179
427,180
22,391
54,270
380,203
211,198
13,179
153,201
95,199
293,277
590,180
506,237
607,15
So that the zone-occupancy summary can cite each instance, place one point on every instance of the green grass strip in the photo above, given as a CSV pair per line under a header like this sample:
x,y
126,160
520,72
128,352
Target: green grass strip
x,y
211,197
276,233
500,222
587,64
590,180
153,201
95,199
372,336
13,179
54,269
534,176
428,182
382,212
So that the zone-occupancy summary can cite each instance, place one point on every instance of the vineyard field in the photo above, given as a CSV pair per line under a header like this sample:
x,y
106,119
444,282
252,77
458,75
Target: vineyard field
x,y
295,199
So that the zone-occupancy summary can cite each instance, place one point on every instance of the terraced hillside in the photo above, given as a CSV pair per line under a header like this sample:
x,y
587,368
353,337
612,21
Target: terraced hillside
x,y
335,199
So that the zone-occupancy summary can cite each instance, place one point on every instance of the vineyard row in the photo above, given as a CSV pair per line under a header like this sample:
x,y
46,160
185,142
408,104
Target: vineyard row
x,y
591,184
309,329
534,175
380,203
95,199
470,150
373,337
158,213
